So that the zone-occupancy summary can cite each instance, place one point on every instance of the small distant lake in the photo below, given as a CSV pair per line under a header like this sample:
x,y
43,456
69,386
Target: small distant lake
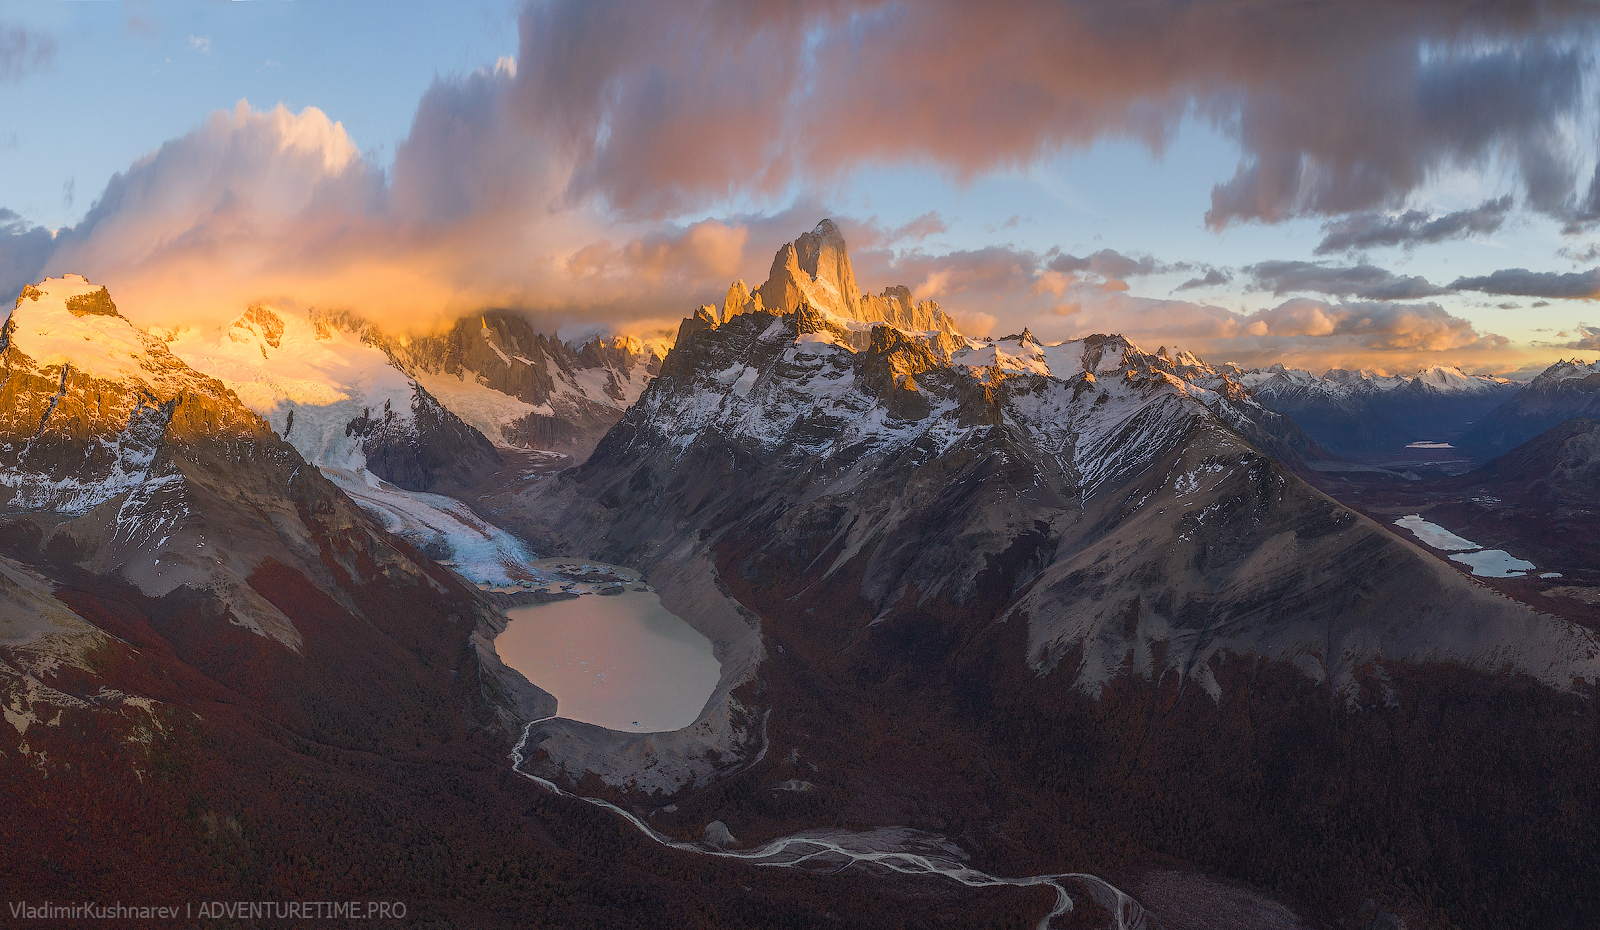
x,y
1485,563
621,661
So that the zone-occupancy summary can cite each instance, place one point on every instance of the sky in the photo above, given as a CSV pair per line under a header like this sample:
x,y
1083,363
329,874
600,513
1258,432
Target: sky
x,y
1322,184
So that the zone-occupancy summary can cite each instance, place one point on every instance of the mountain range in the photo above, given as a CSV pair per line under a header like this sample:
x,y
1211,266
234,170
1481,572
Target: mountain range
x,y
1365,416
1066,608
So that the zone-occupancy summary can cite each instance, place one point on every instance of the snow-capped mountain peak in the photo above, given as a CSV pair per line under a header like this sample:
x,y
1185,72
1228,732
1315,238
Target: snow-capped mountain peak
x,y
1569,370
1452,380
68,321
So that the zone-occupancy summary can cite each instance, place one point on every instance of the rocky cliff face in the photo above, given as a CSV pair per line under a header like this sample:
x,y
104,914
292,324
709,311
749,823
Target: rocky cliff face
x,y
550,395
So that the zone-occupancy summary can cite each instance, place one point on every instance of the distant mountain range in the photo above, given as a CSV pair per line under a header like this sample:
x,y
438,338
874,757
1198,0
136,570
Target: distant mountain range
x,y
1361,415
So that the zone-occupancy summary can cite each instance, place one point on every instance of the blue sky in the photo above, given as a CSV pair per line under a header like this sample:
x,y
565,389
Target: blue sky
x,y
615,165
127,77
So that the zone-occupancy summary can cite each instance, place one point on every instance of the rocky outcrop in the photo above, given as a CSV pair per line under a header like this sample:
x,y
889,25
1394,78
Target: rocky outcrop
x,y
815,270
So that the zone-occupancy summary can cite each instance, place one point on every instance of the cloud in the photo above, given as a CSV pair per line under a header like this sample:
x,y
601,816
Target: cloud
x,y
928,224
1586,338
1371,229
201,44
870,234
23,249
23,52
1378,326
1013,288
1520,282
1581,256
1367,282
1109,264
1337,107
1214,277
1403,108
708,250
995,270
282,207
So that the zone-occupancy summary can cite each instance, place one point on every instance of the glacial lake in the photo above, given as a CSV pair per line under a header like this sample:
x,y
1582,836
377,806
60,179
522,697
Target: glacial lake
x,y
620,661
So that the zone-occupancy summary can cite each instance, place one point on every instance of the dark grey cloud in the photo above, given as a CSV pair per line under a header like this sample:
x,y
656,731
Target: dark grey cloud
x,y
23,251
1366,282
1109,263
1384,121
1370,229
23,52
1520,282
1214,277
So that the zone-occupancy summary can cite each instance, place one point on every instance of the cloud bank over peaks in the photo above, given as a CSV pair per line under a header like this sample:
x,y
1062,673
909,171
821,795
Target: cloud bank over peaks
x,y
1060,295
590,178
